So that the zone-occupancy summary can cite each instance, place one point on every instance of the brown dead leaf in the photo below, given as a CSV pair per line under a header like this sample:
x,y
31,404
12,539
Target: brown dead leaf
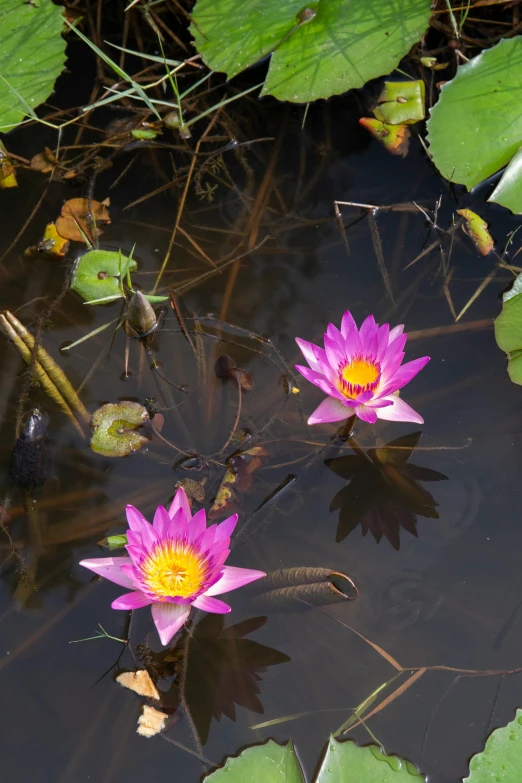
x,y
74,218
151,722
43,161
139,682
7,170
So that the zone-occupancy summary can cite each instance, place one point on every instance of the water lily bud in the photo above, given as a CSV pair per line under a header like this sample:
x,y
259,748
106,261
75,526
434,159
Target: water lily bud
x,y
140,314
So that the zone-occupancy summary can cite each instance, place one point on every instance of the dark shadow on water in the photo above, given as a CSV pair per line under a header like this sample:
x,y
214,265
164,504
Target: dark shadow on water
x,y
383,494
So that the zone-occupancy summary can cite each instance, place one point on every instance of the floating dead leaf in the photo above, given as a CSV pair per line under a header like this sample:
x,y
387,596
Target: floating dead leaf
x,y
43,161
194,489
395,138
7,170
237,479
477,230
77,215
226,369
151,722
52,245
116,428
139,682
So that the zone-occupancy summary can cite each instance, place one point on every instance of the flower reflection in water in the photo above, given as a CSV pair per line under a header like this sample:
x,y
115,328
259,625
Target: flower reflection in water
x,y
383,493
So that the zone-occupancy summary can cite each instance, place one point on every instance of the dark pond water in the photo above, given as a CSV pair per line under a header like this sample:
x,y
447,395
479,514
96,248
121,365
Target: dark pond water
x,y
448,596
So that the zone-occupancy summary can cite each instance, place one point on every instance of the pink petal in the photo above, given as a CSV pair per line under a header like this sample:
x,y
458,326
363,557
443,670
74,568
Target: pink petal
x,y
404,374
197,525
347,323
226,528
330,410
382,342
162,521
110,568
180,501
399,411
232,578
366,414
168,618
335,355
319,380
389,367
135,600
138,524
207,604
395,332
353,344
336,337
314,355
369,336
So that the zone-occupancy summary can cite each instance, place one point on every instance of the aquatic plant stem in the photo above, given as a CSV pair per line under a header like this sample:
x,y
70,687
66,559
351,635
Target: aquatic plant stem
x,y
183,199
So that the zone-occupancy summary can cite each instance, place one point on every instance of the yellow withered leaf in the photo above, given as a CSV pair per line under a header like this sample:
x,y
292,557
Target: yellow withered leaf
x,y
151,722
139,682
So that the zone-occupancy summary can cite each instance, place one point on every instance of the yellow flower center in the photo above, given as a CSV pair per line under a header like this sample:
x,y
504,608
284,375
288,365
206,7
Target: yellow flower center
x,y
174,569
359,375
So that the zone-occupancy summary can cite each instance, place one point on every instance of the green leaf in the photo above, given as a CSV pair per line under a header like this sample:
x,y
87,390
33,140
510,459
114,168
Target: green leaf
x,y
346,762
32,55
401,102
98,274
267,763
508,325
476,126
116,427
318,49
501,759
508,192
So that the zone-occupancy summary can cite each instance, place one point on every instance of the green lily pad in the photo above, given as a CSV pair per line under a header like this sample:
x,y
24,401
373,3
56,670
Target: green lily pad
x,y
344,762
401,103
32,55
260,764
116,428
508,330
476,126
318,49
501,759
508,192
98,274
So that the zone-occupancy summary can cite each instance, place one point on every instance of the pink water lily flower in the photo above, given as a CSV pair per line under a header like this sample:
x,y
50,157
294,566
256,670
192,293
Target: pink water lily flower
x,y
173,564
361,371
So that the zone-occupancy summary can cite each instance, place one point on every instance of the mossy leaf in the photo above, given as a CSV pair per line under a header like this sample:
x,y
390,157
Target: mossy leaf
x,y
116,428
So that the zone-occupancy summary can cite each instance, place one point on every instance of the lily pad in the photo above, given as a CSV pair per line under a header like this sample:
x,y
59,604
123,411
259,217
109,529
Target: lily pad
x,y
476,126
116,428
508,192
32,55
508,331
344,762
318,49
98,274
501,759
260,764
401,103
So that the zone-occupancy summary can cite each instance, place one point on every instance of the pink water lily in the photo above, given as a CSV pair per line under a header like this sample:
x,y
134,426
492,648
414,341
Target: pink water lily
x,y
173,564
361,371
